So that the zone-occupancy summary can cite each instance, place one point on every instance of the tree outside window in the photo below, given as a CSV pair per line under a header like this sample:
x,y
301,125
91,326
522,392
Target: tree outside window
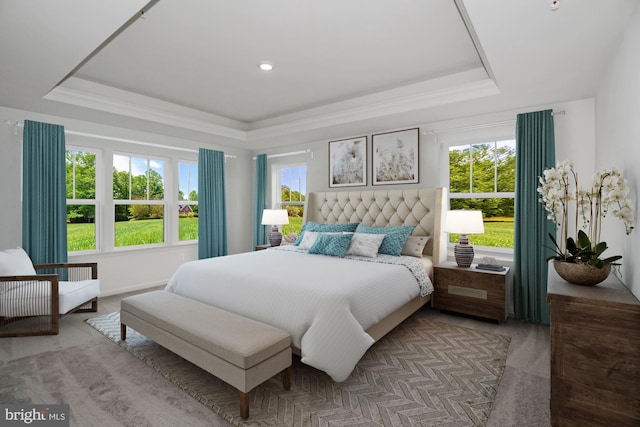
x,y
482,177
138,195
187,201
292,194
81,200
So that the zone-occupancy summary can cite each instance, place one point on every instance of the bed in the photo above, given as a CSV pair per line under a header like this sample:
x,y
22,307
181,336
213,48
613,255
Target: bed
x,y
335,308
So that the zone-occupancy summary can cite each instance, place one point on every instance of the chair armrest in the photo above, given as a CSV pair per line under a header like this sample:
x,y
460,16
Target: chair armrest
x,y
23,297
72,266
6,281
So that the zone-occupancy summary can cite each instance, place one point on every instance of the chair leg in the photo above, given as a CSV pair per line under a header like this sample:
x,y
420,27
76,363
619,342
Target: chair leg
x,y
92,309
123,331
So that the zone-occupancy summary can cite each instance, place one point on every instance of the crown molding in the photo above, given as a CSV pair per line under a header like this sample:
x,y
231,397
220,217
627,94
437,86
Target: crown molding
x,y
418,96
86,94
373,110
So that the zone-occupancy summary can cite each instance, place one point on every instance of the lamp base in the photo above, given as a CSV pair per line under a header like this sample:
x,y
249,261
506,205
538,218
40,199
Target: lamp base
x,y
463,252
275,237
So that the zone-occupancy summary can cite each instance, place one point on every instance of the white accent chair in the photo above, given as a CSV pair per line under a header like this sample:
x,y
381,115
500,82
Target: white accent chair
x,y
32,304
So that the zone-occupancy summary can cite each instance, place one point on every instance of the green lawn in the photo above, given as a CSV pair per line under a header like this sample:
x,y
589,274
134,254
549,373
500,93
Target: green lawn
x,y
294,226
498,232
81,237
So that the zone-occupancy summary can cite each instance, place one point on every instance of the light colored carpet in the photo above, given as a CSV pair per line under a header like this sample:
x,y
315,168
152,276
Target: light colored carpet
x,y
424,372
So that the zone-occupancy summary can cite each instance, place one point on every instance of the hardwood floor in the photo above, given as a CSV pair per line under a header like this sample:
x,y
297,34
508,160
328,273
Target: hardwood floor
x,y
522,398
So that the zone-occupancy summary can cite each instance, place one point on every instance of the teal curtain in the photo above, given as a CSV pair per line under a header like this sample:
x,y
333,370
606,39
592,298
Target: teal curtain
x,y
260,200
212,208
44,200
535,152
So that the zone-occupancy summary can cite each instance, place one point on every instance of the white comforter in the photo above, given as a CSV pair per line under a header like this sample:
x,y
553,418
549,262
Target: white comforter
x,y
325,303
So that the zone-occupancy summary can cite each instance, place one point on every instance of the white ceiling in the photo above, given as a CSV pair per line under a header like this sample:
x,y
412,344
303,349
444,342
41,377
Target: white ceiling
x,y
189,68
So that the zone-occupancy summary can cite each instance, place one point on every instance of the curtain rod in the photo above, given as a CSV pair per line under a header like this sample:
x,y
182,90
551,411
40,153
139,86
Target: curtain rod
x,y
16,125
292,153
483,125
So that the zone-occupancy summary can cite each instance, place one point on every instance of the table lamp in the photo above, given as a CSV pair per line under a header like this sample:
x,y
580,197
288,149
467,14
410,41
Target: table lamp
x,y
464,222
275,217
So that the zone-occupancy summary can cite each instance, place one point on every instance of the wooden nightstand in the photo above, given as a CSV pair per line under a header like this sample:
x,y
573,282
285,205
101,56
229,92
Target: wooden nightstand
x,y
261,247
471,291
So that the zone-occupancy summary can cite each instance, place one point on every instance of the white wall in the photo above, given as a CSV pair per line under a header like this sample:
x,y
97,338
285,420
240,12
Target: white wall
x,y
575,141
126,269
618,142
574,131
136,269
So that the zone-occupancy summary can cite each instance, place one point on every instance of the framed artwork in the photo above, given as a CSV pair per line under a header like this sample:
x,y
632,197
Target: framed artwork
x,y
396,157
348,162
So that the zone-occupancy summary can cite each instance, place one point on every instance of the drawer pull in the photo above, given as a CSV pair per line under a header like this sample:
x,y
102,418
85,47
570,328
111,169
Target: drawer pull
x,y
467,292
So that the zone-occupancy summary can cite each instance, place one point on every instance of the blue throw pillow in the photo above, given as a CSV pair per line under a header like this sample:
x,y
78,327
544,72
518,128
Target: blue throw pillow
x,y
331,244
325,228
394,240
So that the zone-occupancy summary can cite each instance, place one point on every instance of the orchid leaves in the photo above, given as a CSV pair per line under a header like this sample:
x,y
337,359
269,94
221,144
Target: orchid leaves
x,y
582,251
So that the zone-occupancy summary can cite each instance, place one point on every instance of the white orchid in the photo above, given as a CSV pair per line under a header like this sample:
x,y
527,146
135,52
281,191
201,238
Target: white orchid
x,y
559,194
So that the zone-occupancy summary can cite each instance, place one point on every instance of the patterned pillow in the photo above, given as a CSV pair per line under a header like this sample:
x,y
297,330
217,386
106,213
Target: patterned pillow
x,y
331,244
393,241
364,244
415,245
325,228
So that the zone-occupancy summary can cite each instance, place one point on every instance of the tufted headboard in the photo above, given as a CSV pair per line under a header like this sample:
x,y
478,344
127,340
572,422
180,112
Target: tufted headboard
x,y
423,207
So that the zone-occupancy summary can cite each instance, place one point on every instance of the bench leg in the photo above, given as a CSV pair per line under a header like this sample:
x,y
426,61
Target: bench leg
x,y
244,405
286,378
123,331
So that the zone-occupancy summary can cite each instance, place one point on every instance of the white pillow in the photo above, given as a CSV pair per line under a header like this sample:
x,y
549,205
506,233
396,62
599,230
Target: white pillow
x,y
415,245
365,244
15,262
308,239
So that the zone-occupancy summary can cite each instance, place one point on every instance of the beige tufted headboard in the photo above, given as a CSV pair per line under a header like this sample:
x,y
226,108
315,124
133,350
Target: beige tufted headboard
x,y
424,207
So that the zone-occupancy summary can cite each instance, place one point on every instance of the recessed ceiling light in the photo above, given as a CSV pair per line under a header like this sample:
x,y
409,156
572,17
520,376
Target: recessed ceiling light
x,y
265,66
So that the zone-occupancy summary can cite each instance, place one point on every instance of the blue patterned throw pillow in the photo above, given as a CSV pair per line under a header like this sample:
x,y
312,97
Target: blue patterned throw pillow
x,y
331,244
325,228
394,240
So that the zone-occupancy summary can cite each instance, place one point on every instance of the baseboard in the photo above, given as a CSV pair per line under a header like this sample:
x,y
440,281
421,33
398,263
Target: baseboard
x,y
133,288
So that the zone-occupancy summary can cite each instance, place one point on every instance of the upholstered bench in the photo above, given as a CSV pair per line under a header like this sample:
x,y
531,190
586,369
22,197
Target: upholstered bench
x,y
240,351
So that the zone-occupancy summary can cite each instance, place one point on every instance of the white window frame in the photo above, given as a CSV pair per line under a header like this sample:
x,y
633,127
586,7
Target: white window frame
x,y
167,235
181,202
277,180
96,202
500,252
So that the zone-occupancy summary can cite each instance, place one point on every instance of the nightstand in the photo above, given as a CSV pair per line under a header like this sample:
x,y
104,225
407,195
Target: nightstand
x,y
471,291
261,247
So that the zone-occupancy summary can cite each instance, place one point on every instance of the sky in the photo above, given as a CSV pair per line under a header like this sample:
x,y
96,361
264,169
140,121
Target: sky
x,y
188,178
295,178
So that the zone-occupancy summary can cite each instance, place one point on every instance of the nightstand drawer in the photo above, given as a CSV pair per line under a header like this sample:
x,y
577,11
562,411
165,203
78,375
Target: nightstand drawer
x,y
471,291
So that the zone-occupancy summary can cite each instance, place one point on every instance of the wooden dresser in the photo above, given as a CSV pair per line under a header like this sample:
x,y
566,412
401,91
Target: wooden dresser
x,y
595,354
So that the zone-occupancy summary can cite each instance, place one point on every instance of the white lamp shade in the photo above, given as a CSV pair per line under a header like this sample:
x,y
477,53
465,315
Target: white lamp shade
x,y
464,222
275,217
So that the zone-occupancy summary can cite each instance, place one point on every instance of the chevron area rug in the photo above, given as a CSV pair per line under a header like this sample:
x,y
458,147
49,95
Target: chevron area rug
x,y
423,373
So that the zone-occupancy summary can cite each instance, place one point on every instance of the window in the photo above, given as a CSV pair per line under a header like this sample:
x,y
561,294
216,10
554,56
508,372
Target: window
x,y
81,200
187,201
138,197
482,176
292,189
